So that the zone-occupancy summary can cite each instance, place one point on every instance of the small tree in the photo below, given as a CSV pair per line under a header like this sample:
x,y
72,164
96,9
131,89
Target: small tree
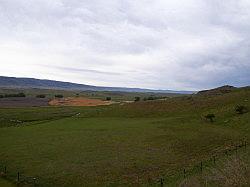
x,y
15,95
240,109
41,96
108,98
21,95
210,117
58,96
137,98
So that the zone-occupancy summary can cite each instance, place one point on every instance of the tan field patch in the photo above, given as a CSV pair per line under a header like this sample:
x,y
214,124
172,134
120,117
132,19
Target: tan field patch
x,y
78,101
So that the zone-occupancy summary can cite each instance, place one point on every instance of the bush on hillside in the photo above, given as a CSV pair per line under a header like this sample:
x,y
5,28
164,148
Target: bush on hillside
x,y
240,109
15,95
41,96
108,98
58,96
150,98
137,98
210,117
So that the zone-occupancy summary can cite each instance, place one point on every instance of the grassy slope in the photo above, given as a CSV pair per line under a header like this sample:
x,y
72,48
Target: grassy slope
x,y
119,144
4,183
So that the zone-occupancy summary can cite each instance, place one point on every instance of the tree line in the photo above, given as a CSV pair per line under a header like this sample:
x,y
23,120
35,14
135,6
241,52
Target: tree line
x,y
13,95
23,95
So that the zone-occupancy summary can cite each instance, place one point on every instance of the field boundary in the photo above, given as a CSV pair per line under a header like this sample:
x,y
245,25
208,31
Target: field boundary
x,y
199,168
38,122
20,178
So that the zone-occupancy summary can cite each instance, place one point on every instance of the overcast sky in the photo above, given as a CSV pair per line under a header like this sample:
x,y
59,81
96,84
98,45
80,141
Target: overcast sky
x,y
161,44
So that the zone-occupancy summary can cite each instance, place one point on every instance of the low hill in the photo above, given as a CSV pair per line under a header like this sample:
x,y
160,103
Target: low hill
x,y
175,106
13,82
218,91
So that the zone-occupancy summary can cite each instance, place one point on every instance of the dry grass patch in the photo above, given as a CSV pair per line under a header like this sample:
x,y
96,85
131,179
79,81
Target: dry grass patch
x,y
235,172
79,101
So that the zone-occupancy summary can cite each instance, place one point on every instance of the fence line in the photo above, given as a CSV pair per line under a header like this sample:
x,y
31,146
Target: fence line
x,y
199,167
21,179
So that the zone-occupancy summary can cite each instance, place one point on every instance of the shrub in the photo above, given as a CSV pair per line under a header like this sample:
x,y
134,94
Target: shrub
x,y
41,96
58,96
210,117
240,109
15,95
1,96
21,95
137,98
153,98
108,98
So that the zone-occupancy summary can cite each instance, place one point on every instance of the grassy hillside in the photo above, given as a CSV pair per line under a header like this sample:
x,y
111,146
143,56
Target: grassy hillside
x,y
127,145
5,183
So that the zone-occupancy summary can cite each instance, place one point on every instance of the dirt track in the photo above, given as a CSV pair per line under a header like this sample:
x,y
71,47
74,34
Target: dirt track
x,y
80,101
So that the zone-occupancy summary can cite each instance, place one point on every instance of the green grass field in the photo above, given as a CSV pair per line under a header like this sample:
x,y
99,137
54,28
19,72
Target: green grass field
x,y
5,183
119,145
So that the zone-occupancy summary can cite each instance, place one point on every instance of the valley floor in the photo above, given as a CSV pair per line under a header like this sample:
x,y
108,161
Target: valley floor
x,y
129,145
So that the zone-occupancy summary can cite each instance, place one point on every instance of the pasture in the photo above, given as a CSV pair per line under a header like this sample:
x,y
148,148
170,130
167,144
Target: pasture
x,y
119,145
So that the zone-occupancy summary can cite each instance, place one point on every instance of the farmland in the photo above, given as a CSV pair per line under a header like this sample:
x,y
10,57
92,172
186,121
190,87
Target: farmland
x,y
34,97
119,145
79,101
102,95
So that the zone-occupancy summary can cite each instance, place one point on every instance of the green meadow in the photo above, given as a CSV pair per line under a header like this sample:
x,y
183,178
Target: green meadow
x,y
132,144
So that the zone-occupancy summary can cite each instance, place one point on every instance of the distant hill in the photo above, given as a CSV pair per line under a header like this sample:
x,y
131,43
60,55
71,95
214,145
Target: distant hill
x,y
13,82
218,91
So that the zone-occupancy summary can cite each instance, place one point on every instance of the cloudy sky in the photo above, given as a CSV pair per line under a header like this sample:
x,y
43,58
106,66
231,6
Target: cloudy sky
x,y
161,44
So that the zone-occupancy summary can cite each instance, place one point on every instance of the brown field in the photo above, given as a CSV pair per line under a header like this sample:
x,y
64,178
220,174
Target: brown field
x,y
79,101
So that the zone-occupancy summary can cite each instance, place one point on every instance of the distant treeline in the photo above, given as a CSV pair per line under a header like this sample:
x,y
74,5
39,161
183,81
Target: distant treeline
x,y
13,95
41,96
23,95
150,98
154,98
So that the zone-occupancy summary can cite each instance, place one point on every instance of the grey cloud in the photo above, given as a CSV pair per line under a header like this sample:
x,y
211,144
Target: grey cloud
x,y
80,70
187,44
